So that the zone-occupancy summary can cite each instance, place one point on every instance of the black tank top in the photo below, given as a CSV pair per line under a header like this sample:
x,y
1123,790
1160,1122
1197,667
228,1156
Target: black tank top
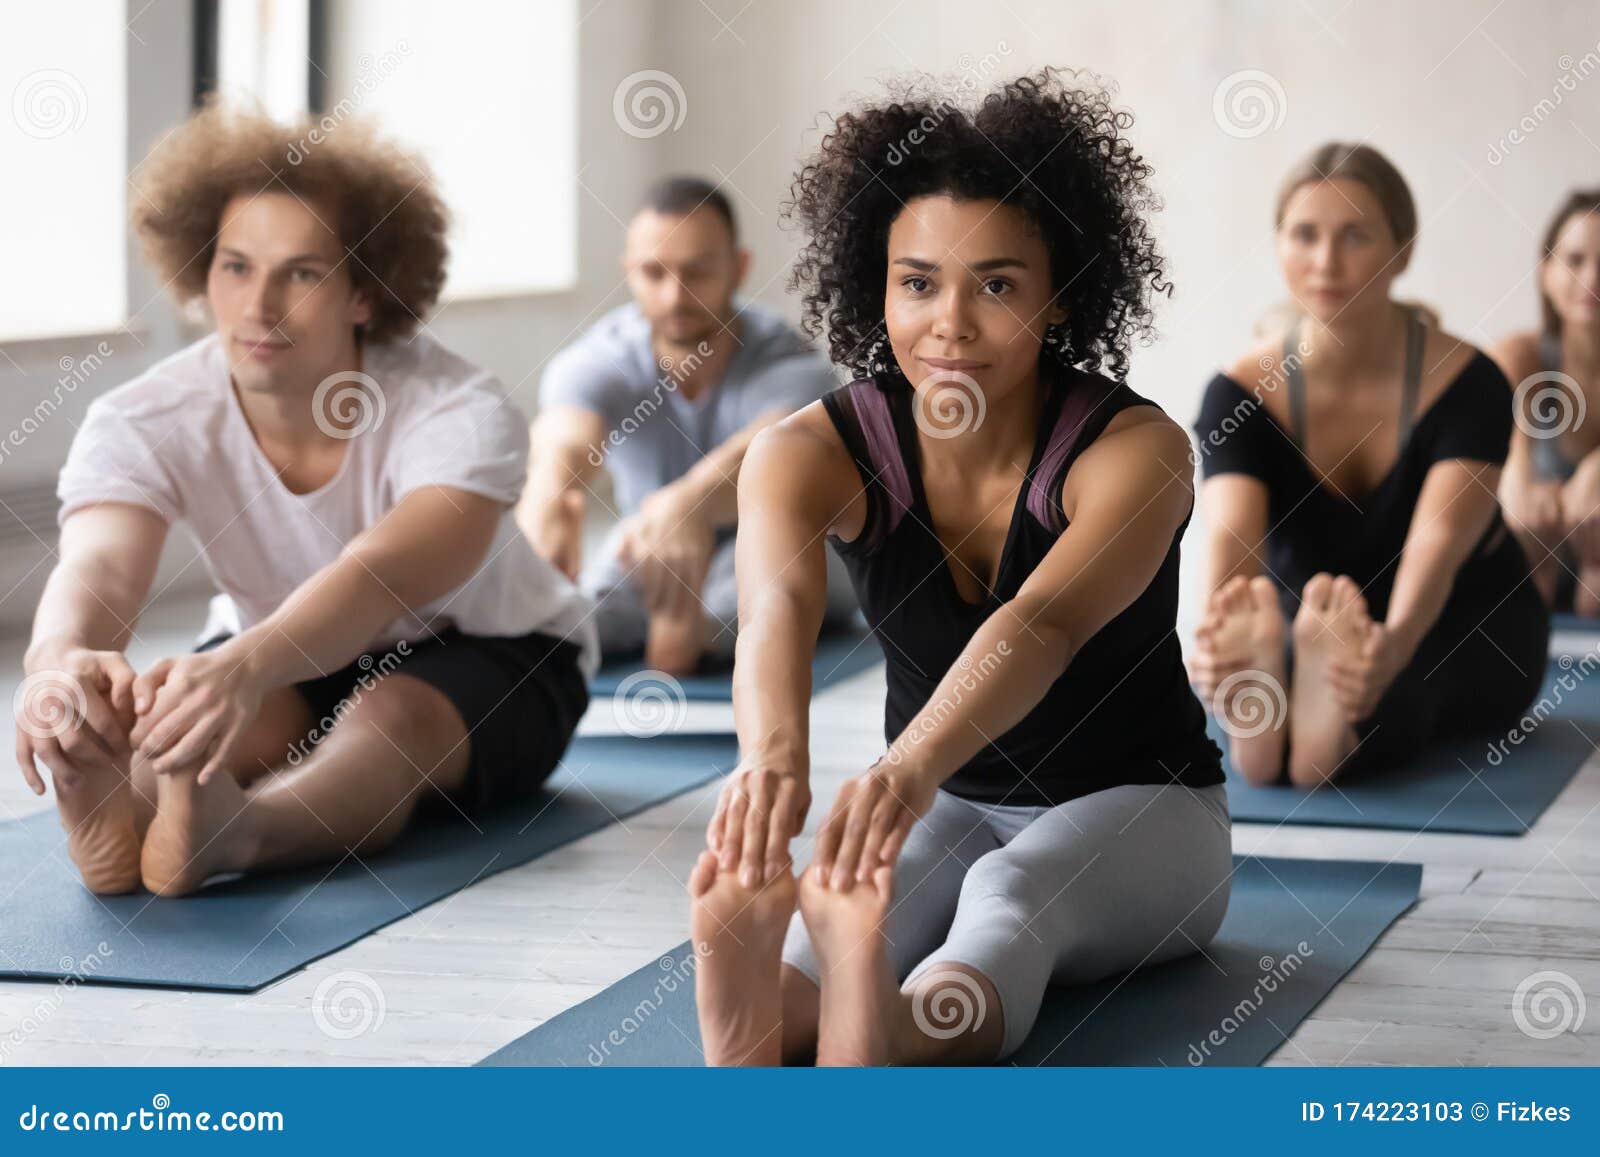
x,y
1122,712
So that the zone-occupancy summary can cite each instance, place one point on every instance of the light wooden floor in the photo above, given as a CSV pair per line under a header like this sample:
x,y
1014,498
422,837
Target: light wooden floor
x,y
461,978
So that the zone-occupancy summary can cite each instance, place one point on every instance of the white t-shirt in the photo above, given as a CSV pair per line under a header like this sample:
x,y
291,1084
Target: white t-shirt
x,y
175,440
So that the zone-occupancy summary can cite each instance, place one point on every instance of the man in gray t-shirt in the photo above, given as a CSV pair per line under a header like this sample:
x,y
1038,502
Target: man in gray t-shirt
x,y
666,393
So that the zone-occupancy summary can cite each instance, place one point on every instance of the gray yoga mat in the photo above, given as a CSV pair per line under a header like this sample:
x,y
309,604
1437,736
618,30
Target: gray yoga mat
x,y
838,656
242,933
1293,929
1453,787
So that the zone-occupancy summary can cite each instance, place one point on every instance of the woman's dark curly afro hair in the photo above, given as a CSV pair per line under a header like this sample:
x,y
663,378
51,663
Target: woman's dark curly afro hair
x,y
1049,144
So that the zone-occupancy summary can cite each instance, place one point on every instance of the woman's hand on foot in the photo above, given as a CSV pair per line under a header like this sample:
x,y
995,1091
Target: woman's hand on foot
x,y
871,817
193,709
761,808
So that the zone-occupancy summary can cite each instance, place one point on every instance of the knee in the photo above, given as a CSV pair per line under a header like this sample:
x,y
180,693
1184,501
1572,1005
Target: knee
x,y
411,714
956,1016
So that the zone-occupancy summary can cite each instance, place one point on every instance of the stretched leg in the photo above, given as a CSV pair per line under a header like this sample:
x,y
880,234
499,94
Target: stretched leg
x,y
1331,623
353,794
1120,879
1244,629
926,882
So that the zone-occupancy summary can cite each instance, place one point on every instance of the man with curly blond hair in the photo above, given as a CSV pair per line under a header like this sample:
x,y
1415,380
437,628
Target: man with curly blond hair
x,y
384,639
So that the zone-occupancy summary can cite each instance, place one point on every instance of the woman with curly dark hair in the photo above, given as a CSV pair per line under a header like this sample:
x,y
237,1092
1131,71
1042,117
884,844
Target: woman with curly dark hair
x,y
385,638
1366,598
1049,808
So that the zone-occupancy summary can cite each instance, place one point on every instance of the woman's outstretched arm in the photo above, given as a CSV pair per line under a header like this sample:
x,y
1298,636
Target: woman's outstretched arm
x,y
1126,495
796,484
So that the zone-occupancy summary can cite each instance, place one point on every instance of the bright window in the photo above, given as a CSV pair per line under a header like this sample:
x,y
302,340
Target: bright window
x,y
63,169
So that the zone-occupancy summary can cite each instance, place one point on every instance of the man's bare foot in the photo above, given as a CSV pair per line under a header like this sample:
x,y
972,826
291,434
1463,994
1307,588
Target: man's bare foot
x,y
738,941
860,999
1332,622
196,833
675,643
102,832
1586,593
1244,629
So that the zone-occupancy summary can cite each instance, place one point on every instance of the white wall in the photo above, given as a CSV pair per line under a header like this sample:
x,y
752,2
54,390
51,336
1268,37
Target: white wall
x,y
1434,83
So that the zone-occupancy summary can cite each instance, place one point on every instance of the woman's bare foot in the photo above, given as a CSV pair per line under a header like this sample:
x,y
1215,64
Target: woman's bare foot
x,y
196,833
102,830
1332,622
738,940
1244,630
860,999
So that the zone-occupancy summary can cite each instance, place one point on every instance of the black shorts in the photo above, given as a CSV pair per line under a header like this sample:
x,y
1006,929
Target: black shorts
x,y
520,697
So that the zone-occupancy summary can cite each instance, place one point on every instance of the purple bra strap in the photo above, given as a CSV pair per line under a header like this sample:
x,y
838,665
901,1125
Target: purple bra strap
x,y
883,446
1084,396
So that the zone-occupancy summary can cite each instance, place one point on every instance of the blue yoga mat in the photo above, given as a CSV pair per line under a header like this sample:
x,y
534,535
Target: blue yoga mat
x,y
838,656
1484,785
1567,621
241,933
1293,929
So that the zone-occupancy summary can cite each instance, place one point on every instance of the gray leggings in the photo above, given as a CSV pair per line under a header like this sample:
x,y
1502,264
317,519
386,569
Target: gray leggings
x,y
1030,896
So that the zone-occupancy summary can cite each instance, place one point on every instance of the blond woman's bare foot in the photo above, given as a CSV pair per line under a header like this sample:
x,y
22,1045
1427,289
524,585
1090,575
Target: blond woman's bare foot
x,y
1245,629
738,941
860,999
197,833
1332,622
102,830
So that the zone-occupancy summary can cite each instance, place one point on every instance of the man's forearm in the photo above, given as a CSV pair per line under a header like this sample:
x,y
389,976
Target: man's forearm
x,y
323,625
85,604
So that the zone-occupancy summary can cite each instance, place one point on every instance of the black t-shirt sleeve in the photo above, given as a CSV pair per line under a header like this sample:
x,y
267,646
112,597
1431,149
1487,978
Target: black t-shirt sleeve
x,y
1476,419
1234,433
